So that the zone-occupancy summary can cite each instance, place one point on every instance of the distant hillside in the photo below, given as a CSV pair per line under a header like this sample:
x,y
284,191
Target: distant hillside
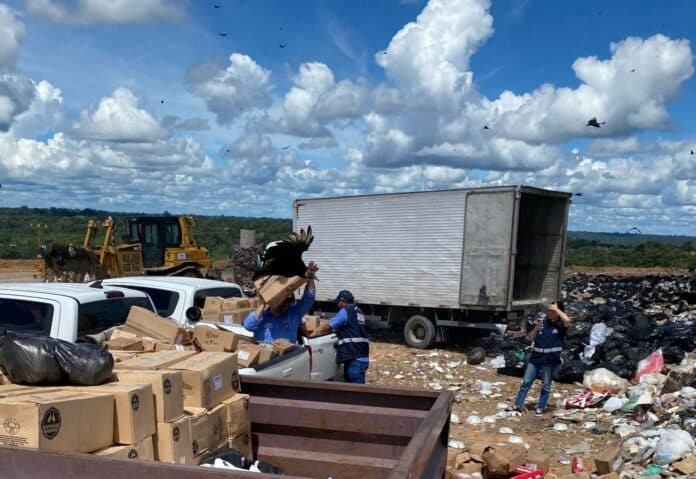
x,y
18,238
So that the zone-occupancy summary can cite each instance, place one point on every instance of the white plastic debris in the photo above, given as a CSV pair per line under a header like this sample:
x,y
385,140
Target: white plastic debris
x,y
386,373
614,404
453,388
484,387
560,427
506,430
449,377
673,445
515,440
498,362
489,419
501,405
589,425
456,444
433,354
222,464
557,395
436,367
399,376
452,364
625,430
454,419
435,386
473,420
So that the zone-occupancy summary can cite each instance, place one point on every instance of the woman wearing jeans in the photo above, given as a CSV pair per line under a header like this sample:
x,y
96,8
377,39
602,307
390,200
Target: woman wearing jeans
x,y
548,335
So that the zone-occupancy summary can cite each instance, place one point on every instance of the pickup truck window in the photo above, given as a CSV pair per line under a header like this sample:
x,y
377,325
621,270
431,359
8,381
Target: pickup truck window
x,y
165,301
26,317
199,298
95,317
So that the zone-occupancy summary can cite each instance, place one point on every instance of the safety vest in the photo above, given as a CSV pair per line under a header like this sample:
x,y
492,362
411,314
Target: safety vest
x,y
352,337
548,344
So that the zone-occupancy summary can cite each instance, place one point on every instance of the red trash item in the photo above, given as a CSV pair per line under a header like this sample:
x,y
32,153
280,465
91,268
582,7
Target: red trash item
x,y
576,465
585,399
524,473
652,364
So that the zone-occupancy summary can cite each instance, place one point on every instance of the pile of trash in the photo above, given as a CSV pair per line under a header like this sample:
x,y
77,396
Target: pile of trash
x,y
242,266
617,323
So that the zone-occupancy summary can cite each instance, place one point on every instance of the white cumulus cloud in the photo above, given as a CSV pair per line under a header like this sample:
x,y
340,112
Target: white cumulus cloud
x,y
108,11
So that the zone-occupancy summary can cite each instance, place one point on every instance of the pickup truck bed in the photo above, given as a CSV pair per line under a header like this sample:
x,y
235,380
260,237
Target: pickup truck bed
x,y
311,430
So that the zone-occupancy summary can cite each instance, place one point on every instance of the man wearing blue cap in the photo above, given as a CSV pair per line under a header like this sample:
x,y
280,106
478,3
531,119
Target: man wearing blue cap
x,y
353,347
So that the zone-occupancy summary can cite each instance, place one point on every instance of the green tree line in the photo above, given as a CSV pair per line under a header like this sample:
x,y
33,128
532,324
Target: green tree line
x,y
20,229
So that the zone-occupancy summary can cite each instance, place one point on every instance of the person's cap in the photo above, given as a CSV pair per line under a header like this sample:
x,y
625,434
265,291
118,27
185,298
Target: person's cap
x,y
344,295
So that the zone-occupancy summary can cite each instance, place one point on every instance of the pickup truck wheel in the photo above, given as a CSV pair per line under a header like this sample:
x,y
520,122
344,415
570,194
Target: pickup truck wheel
x,y
419,332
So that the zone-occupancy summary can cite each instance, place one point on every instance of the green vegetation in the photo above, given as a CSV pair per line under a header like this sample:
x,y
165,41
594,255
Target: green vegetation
x,y
18,237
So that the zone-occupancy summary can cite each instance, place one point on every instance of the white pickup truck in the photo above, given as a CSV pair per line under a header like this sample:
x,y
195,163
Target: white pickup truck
x,y
181,298
65,311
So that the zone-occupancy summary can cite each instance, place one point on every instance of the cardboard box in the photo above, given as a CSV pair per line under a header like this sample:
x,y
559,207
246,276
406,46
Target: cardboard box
x,y
146,324
217,427
120,356
121,334
212,338
266,352
614,475
156,360
452,454
173,441
242,443
231,304
167,389
134,410
57,421
160,346
312,323
499,458
536,461
236,316
124,344
274,289
143,450
213,303
237,414
608,460
686,466
200,431
248,355
282,346
451,473
208,378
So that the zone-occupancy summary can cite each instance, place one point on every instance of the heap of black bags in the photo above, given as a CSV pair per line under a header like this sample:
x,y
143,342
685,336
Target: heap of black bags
x,y
36,360
641,314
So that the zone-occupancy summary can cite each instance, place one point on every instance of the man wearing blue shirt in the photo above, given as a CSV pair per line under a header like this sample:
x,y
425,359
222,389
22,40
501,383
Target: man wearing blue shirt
x,y
283,321
353,346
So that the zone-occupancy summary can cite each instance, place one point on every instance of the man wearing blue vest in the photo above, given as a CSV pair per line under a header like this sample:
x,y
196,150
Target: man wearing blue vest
x,y
353,347
547,337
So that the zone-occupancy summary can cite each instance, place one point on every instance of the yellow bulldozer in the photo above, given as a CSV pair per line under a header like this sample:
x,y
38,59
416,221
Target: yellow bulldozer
x,y
150,245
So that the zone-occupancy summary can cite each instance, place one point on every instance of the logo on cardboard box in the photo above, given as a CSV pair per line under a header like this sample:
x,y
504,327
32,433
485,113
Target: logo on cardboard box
x,y
167,386
135,402
11,425
132,454
195,447
176,434
50,424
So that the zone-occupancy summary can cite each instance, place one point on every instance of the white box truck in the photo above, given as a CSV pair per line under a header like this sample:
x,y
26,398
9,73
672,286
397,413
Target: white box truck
x,y
439,259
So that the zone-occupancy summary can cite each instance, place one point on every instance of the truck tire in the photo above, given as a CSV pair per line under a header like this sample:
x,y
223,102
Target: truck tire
x,y
419,332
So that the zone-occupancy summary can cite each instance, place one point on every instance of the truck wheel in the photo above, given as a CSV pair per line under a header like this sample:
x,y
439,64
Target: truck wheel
x,y
419,332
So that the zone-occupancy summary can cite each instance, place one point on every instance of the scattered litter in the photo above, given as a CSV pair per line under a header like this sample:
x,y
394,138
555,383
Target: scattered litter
x,y
456,444
506,430
577,449
498,362
515,440
560,426
454,419
674,444
563,460
399,376
435,386
473,420
614,404
589,425
489,419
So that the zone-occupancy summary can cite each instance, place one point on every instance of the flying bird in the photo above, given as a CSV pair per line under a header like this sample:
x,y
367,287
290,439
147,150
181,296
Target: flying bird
x,y
284,258
485,127
692,152
633,70
223,34
282,45
578,194
593,122
216,6
634,229
162,102
285,147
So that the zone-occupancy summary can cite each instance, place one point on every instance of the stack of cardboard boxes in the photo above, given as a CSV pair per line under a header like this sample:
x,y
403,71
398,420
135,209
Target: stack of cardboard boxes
x,y
172,406
228,311
145,331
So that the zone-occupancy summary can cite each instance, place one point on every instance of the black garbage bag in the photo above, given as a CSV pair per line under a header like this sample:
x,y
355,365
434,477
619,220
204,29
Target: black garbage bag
x,y
38,360
268,468
84,364
476,356
624,369
571,372
645,333
672,353
233,456
29,360
511,371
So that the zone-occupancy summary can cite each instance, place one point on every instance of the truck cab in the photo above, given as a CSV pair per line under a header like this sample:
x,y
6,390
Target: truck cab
x,y
65,311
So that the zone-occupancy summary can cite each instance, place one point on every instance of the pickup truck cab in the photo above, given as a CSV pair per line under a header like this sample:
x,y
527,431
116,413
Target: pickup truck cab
x,y
64,310
174,296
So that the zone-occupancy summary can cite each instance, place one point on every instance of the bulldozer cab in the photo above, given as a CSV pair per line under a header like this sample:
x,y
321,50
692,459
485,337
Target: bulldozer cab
x,y
155,234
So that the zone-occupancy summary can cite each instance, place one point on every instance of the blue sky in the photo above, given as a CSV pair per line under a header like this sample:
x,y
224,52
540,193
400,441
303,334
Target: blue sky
x,y
246,125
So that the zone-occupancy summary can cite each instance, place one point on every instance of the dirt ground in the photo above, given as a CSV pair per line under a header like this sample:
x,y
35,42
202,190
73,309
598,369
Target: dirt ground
x,y
392,363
